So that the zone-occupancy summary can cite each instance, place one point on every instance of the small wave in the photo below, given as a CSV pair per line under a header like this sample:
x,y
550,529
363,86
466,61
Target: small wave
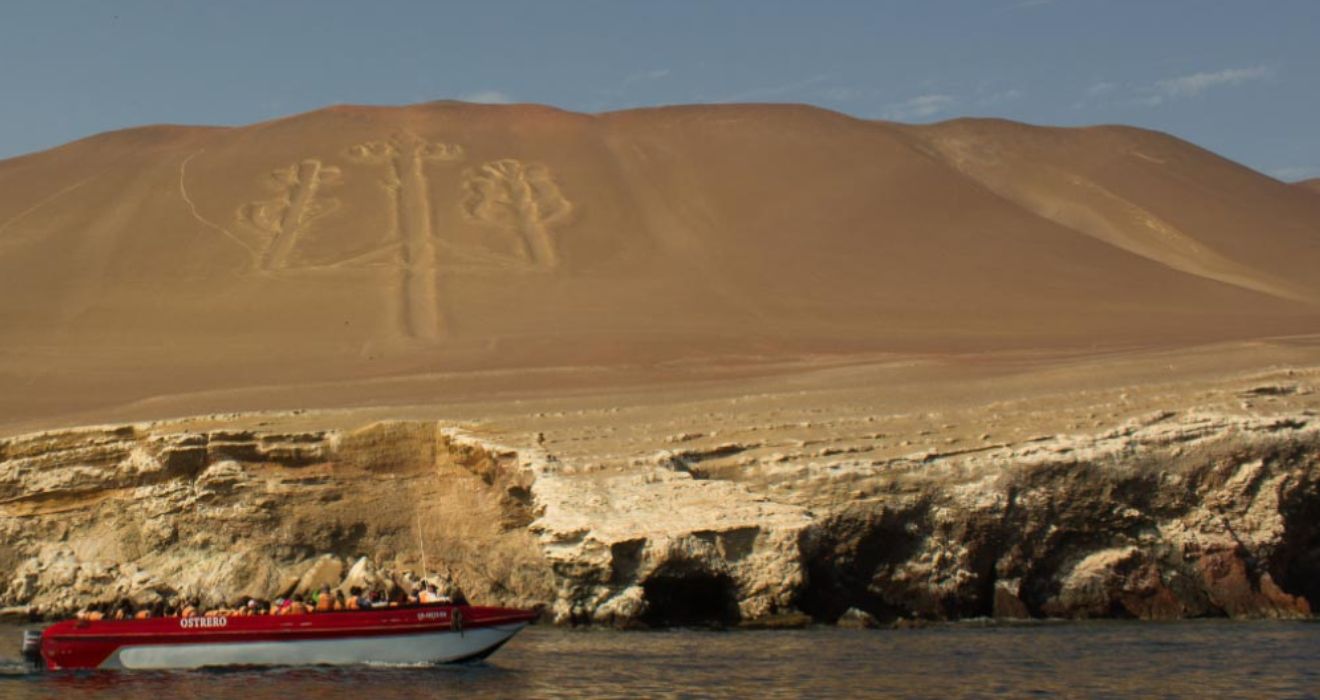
x,y
387,664
15,670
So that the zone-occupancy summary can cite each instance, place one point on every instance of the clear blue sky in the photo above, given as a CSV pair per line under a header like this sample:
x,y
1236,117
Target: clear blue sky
x,y
1239,77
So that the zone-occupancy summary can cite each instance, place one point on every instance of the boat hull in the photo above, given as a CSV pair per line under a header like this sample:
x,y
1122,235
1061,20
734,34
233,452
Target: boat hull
x,y
406,649
400,636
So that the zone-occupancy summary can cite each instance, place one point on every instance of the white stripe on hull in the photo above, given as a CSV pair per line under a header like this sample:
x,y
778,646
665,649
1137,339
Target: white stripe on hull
x,y
432,647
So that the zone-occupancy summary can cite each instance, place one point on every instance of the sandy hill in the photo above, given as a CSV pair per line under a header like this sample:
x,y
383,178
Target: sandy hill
x,y
1312,184
354,243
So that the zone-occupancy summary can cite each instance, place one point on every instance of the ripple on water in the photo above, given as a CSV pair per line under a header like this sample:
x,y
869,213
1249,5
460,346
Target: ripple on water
x,y
1194,659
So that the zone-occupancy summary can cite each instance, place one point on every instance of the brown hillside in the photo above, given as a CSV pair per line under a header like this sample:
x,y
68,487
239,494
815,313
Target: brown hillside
x,y
385,242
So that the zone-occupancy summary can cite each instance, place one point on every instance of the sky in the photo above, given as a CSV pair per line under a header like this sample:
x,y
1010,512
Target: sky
x,y
1241,78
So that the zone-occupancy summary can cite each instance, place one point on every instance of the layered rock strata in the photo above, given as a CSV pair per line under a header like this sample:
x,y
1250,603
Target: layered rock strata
x,y
1166,516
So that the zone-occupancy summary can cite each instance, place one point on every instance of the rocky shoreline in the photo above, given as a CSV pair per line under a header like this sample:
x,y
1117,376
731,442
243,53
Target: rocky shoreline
x,y
1166,516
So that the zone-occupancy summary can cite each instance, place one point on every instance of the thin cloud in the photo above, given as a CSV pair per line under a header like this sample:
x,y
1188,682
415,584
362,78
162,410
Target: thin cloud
x,y
645,76
1171,89
488,97
841,93
613,95
1293,173
1197,83
1000,97
771,92
919,107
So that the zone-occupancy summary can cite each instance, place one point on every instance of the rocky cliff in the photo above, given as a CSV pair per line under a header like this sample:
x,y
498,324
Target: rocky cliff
x,y
95,514
1164,515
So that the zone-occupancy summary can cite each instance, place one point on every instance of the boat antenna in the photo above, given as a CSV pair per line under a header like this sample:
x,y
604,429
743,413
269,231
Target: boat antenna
x,y
421,543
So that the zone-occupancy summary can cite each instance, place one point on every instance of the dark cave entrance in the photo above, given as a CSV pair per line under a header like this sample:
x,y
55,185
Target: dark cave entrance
x,y
691,600
1296,566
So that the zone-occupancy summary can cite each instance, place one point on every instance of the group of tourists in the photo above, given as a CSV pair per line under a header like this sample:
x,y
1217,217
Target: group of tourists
x,y
323,600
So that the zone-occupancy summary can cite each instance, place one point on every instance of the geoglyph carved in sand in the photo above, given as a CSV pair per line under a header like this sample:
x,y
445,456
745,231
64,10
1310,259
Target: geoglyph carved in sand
x,y
518,197
288,216
410,220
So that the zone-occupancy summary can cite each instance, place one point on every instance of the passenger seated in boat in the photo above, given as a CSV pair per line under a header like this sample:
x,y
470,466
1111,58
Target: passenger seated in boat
x,y
340,603
189,609
296,606
325,601
430,595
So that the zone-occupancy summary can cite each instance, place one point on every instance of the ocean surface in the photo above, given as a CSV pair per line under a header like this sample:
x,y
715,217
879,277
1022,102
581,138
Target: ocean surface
x,y
1103,659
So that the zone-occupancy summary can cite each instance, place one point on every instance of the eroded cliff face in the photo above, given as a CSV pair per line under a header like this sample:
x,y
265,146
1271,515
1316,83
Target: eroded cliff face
x,y
1166,516
142,511
1201,516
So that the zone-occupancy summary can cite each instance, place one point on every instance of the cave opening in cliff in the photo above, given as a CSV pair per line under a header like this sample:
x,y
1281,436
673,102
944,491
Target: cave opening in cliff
x,y
1297,563
698,599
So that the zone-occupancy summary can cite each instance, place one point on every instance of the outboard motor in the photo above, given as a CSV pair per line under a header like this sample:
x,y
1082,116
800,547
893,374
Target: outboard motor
x,y
32,647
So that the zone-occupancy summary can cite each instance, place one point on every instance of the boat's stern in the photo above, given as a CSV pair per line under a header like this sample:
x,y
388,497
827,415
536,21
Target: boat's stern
x,y
31,649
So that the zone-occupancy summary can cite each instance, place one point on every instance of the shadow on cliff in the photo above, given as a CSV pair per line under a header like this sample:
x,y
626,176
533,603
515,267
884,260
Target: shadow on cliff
x,y
1231,530
697,599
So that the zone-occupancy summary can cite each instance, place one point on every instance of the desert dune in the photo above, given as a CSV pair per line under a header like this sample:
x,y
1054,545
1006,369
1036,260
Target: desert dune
x,y
364,244
718,364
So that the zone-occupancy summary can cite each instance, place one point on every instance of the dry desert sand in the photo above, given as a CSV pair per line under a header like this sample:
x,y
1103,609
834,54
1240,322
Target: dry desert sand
x,y
809,306
495,248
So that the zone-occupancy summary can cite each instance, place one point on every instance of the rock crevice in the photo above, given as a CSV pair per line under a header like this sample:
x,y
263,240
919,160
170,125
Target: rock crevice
x,y
1163,517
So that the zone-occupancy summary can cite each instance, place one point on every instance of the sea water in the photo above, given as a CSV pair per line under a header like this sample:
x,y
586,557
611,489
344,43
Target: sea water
x,y
1103,659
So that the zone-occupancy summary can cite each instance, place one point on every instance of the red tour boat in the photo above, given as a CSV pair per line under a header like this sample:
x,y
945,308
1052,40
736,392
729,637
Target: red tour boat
x,y
419,634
